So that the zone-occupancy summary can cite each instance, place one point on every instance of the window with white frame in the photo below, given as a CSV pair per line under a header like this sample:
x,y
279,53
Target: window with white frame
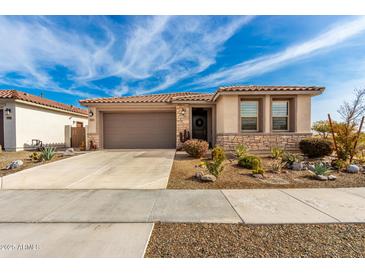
x,y
280,115
249,115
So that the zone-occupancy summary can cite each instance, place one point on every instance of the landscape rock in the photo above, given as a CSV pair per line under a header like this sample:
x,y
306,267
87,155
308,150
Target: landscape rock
x,y
297,166
208,178
353,169
258,176
199,174
14,164
332,177
321,177
69,152
311,167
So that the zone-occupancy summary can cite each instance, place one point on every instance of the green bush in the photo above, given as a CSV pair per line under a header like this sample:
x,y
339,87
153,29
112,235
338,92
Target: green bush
x,y
277,152
48,153
218,154
36,157
290,158
241,151
216,166
320,169
196,148
315,147
249,162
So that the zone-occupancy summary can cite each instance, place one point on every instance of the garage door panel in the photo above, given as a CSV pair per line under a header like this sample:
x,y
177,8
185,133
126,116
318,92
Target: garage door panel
x,y
139,130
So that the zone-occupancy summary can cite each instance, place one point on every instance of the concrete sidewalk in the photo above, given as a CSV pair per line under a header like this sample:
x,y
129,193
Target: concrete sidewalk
x,y
256,206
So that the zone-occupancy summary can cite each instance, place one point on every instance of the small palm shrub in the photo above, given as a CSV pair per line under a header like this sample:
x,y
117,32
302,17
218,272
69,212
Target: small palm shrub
x,y
320,169
216,166
249,161
196,148
277,152
48,153
241,151
290,158
315,147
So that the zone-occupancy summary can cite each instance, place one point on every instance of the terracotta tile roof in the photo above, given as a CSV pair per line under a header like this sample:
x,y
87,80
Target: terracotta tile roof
x,y
194,97
23,96
271,88
151,98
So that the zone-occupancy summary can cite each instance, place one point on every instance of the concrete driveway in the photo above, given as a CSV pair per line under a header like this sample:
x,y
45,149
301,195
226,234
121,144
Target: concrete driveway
x,y
107,169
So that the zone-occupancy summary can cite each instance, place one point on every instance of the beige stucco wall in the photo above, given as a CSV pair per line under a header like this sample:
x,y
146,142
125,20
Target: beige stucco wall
x,y
33,122
303,111
227,111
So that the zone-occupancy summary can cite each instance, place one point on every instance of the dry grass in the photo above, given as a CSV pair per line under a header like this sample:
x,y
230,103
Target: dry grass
x,y
7,157
233,176
273,241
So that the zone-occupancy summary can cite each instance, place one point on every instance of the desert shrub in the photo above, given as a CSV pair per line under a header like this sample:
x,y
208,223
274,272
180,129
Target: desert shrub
x,y
258,170
218,153
314,147
322,128
277,166
338,164
241,151
48,153
216,166
196,148
35,157
249,161
277,152
291,158
320,169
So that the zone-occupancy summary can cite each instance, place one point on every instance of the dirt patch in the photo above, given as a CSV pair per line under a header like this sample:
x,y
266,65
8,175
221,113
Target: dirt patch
x,y
264,241
7,157
233,176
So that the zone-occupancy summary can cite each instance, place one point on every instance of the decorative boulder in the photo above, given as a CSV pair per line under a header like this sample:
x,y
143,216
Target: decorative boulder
x,y
199,175
14,164
69,152
353,169
311,167
321,177
297,166
332,177
208,178
258,176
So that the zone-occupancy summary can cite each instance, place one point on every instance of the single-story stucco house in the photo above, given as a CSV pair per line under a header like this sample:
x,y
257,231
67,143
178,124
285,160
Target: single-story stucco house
x,y
261,117
25,117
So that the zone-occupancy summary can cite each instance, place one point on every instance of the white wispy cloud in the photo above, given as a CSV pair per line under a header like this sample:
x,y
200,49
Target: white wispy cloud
x,y
160,50
258,66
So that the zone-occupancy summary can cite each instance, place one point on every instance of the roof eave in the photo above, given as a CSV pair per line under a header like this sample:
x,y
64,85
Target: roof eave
x,y
268,92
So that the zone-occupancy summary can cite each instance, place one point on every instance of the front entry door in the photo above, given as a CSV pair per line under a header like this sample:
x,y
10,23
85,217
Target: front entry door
x,y
200,124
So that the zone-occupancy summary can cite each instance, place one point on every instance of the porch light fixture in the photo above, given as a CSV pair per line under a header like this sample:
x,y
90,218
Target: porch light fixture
x,y
183,111
7,111
91,114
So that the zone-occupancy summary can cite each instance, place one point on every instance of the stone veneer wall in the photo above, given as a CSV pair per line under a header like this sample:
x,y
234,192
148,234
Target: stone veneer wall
x,y
96,139
262,142
182,121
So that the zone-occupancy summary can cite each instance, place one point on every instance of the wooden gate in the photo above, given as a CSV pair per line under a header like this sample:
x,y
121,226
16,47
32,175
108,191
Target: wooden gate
x,y
77,136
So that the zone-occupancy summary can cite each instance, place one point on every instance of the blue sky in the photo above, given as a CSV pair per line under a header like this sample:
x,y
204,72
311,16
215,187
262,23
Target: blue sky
x,y
74,57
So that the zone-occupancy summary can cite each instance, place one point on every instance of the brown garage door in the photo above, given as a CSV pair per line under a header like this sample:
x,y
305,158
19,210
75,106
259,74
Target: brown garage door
x,y
139,130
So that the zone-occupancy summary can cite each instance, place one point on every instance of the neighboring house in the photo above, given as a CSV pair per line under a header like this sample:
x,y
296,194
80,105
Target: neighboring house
x,y
260,117
25,117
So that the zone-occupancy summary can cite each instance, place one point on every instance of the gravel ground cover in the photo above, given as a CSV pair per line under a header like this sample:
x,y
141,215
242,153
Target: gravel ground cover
x,y
7,157
235,177
247,241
